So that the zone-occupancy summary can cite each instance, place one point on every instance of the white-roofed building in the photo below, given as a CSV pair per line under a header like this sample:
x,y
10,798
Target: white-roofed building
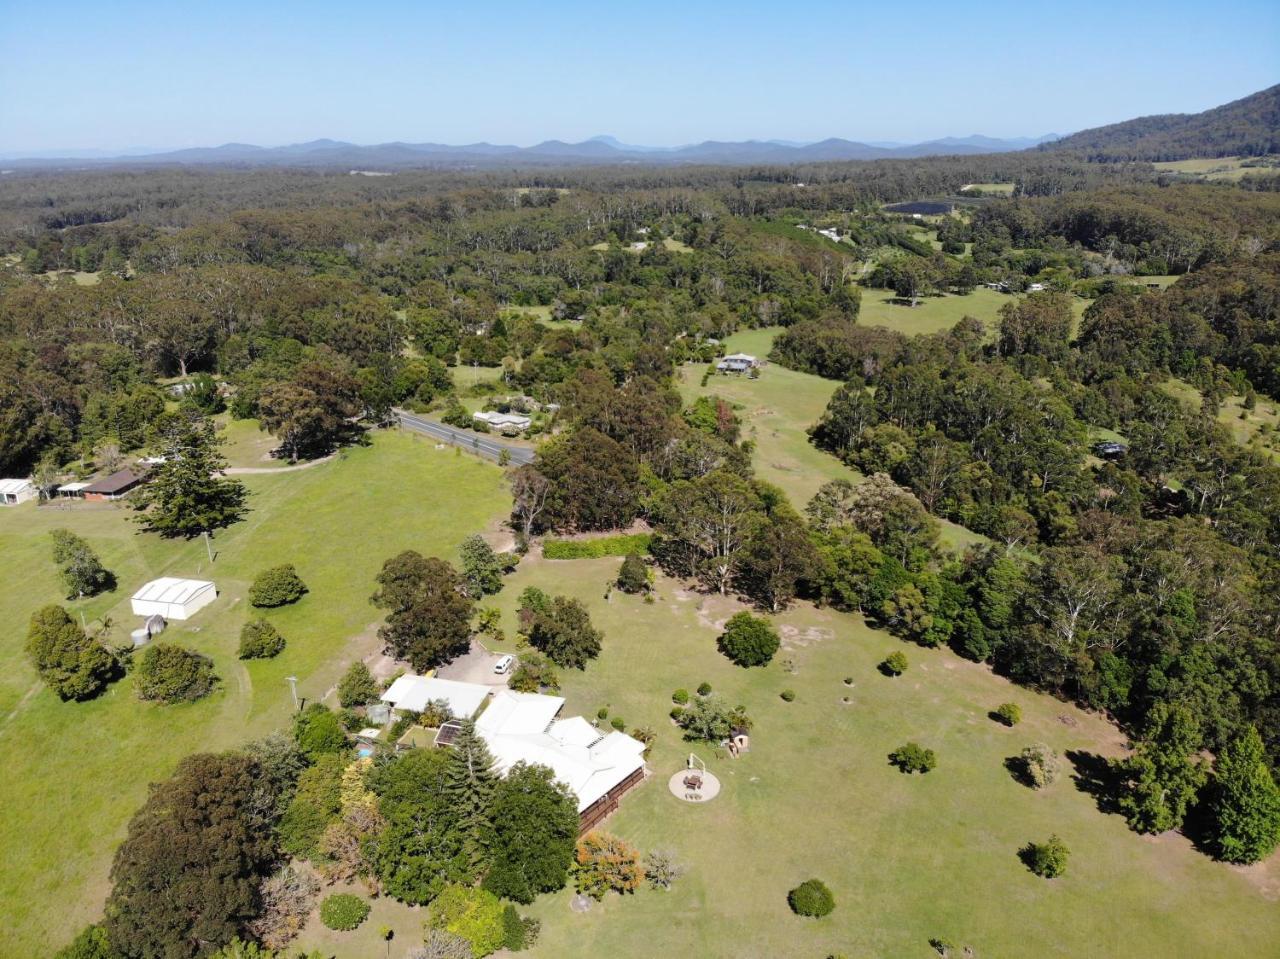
x,y
522,727
413,693
510,423
72,490
737,363
15,491
173,598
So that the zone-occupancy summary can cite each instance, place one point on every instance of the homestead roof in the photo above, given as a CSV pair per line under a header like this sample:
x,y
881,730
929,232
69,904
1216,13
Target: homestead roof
x,y
14,486
170,589
115,483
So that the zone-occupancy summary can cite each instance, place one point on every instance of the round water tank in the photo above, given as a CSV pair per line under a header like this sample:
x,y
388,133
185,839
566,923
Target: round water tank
x,y
140,636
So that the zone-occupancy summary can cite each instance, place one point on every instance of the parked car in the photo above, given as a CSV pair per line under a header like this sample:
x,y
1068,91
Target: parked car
x,y
503,665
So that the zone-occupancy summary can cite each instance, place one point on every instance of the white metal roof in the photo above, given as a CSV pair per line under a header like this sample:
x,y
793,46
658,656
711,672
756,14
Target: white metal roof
x,y
521,727
15,485
513,713
71,487
170,589
413,693
744,357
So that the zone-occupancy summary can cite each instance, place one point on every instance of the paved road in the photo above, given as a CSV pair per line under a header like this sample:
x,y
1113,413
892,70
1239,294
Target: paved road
x,y
480,443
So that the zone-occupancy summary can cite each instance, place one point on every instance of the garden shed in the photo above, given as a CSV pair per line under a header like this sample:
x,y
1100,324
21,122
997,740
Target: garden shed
x,y
173,598
15,491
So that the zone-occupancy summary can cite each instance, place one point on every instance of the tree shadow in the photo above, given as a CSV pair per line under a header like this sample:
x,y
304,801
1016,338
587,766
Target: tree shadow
x,y
1095,775
1017,767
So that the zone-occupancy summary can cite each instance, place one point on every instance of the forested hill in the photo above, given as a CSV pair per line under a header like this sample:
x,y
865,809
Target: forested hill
x,y
1246,127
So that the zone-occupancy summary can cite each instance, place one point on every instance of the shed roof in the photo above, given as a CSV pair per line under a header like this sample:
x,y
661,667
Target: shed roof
x,y
513,713
170,589
15,485
72,487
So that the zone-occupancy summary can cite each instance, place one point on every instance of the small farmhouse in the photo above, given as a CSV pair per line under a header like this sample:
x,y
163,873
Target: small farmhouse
x,y
173,598
112,487
737,363
509,423
15,491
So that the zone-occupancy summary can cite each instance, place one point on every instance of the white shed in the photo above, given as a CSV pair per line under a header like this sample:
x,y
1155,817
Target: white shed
x,y
15,491
173,598
412,694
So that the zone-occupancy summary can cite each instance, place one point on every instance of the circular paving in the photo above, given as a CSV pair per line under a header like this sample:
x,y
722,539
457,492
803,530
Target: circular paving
x,y
709,789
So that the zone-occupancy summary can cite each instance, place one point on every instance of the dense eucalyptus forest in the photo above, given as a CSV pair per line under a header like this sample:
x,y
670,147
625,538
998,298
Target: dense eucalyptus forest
x,y
1144,583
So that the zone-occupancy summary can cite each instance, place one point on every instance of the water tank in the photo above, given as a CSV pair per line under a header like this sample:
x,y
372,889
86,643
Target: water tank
x,y
140,636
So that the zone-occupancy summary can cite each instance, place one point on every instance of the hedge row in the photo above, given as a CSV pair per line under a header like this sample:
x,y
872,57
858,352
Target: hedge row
x,y
622,545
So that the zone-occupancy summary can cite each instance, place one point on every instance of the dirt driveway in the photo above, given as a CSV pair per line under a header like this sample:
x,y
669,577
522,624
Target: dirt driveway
x,y
475,667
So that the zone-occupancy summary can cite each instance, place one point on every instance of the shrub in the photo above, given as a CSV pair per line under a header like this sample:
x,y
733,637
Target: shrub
x,y
811,898
92,943
677,712
277,586
1047,859
913,758
1040,765
474,914
357,686
286,899
788,695
260,640
617,723
343,911
748,640
633,577
82,572
626,544
710,720
519,932
602,713
704,689
171,674
895,664
604,863
1009,713
534,674
661,869
680,697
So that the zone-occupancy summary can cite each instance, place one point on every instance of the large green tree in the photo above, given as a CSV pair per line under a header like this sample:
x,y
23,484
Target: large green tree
x,y
185,878
72,664
186,495
312,411
82,572
1244,802
535,825
429,622
1163,776
565,634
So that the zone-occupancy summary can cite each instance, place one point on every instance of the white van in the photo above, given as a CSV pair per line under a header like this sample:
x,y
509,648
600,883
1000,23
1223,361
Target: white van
x,y
503,665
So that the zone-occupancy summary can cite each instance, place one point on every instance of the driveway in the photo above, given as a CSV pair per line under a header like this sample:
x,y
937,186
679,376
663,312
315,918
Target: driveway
x,y
475,667
480,443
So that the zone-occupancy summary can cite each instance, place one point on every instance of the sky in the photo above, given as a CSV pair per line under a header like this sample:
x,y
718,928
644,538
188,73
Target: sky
x,y
118,75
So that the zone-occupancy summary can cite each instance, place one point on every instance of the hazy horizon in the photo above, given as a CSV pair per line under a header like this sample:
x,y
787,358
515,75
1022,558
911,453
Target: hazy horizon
x,y
146,76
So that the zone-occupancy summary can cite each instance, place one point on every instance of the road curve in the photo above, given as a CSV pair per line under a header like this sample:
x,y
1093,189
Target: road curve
x,y
476,442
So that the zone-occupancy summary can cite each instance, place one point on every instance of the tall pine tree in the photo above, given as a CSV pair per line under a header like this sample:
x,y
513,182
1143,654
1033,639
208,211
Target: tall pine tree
x,y
1245,802
469,781
186,494
1163,777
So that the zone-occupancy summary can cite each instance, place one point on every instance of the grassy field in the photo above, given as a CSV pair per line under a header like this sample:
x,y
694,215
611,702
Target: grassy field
x,y
908,858
1259,426
777,410
78,771
934,314
247,445
1214,168
1004,189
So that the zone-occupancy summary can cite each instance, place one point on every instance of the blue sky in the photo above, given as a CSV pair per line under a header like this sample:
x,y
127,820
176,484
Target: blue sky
x,y
113,75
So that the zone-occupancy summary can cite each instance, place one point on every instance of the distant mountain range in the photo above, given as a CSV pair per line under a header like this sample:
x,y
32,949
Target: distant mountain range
x,y
600,149
1246,127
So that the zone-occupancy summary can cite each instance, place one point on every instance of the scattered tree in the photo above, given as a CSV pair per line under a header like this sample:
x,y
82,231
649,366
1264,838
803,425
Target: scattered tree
x,y
343,911
633,577
1163,777
533,674
168,673
287,897
1009,713
604,863
469,781
535,825
82,572
71,663
661,869
811,898
1040,765
895,664
565,634
1047,859
318,730
357,686
749,640
481,568
277,586
260,640
472,914
913,758
430,619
